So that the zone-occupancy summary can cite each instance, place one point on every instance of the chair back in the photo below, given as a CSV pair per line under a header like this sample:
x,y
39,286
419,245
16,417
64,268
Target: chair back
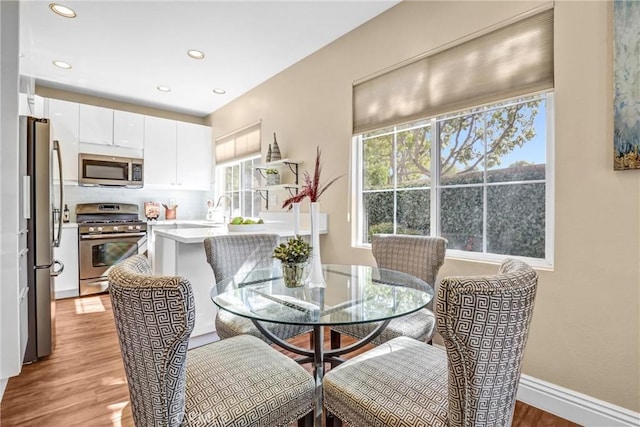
x,y
484,321
238,254
154,317
420,256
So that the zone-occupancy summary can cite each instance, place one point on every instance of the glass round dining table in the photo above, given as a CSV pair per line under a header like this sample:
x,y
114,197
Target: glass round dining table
x,y
351,294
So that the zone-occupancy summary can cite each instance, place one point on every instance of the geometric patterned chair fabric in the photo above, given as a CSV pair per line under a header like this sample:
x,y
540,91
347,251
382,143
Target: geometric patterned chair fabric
x,y
236,255
420,256
484,321
237,382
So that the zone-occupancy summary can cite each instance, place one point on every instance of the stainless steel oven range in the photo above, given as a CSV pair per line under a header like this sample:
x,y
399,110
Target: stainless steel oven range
x,y
107,233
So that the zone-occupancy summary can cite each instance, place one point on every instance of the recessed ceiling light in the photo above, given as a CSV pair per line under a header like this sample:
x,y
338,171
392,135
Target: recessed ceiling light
x,y
219,91
195,54
62,64
164,88
62,10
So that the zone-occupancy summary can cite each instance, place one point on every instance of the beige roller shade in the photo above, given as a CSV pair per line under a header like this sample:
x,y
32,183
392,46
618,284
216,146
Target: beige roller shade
x,y
239,144
513,60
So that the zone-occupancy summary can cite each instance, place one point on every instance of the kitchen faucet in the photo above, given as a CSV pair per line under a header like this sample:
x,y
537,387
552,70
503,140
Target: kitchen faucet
x,y
225,196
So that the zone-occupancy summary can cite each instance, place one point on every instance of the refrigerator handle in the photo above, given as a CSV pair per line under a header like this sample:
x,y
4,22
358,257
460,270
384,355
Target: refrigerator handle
x,y
57,272
56,148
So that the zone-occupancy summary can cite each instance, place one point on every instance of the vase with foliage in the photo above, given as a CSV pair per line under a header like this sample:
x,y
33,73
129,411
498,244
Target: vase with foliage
x,y
294,257
313,190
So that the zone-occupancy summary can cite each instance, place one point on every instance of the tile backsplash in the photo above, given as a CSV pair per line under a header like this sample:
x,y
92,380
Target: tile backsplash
x,y
191,204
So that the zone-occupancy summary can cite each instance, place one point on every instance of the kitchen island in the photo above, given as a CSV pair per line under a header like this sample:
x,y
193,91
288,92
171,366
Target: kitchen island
x,y
180,252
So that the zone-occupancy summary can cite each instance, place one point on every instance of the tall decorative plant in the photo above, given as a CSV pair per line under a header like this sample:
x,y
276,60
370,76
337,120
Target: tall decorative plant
x,y
311,187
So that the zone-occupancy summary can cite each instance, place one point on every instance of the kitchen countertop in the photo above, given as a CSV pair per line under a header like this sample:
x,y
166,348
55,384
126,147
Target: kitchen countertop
x,y
197,235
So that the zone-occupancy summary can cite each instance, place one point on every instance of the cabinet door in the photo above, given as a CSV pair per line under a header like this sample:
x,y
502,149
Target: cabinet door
x,y
96,125
194,156
159,152
67,284
128,129
64,127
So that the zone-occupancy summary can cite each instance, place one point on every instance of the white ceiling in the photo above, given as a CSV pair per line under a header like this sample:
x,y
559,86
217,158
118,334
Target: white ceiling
x,y
123,50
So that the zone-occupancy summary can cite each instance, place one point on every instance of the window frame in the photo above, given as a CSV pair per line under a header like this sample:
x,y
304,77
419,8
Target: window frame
x,y
357,201
220,181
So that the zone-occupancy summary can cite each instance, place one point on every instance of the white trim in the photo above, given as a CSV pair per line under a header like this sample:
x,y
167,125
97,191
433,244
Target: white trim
x,y
573,406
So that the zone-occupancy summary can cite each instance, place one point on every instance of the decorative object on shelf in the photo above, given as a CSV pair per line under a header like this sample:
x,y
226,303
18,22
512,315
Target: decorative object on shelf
x,y
294,256
626,76
273,176
151,210
313,190
170,210
275,150
269,154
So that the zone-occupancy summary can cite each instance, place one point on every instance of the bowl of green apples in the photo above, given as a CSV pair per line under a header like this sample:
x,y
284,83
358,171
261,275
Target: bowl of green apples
x,y
239,224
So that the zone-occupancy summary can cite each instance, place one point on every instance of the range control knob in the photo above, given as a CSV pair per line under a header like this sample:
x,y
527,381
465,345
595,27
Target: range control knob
x,y
130,227
91,229
138,227
115,228
99,229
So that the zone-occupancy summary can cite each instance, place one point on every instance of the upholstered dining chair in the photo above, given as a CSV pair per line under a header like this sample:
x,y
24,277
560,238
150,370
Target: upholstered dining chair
x,y
236,255
484,321
236,382
420,256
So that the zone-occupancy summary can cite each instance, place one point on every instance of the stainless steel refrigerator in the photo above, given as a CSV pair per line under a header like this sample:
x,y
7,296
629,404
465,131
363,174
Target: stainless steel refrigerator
x,y
41,209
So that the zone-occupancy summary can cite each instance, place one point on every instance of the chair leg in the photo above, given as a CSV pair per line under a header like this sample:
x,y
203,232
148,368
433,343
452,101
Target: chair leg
x,y
332,421
306,421
311,340
335,339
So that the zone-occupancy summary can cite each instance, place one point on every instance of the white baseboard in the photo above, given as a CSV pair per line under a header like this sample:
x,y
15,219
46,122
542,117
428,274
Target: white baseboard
x,y
573,406
201,340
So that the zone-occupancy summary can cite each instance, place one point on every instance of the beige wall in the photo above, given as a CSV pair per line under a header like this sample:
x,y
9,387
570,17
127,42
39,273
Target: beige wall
x,y
586,330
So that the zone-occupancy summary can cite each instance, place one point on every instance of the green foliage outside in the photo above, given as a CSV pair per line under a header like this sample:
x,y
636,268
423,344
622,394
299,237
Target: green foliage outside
x,y
470,144
516,213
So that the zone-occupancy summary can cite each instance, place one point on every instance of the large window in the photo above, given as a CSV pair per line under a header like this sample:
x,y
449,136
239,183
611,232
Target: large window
x,y
235,180
479,178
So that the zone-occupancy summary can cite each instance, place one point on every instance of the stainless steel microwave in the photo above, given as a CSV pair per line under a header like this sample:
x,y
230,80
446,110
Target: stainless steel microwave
x,y
110,171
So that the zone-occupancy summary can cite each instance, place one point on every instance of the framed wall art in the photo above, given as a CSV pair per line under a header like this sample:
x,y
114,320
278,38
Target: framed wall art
x,y
626,76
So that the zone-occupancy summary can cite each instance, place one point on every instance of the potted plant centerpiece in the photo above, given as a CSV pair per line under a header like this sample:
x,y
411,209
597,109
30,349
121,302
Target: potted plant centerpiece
x,y
294,255
273,176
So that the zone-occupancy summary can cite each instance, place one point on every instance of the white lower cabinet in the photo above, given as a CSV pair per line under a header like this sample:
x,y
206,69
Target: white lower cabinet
x,y
67,284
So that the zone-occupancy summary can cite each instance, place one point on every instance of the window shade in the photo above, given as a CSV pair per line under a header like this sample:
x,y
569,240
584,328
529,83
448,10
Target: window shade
x,y
508,62
236,145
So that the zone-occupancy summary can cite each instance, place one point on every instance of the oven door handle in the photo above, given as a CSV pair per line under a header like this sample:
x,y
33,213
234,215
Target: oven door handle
x,y
110,235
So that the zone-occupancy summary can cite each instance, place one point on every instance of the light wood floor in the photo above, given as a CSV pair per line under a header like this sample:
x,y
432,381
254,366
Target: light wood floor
x,y
83,382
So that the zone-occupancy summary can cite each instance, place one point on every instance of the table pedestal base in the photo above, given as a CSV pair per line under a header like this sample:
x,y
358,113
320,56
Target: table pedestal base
x,y
318,356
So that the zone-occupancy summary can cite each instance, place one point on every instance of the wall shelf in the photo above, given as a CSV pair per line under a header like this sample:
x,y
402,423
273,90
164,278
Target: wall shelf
x,y
293,166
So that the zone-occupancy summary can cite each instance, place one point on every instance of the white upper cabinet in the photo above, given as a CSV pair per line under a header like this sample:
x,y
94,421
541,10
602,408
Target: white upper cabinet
x,y
64,117
159,152
177,154
128,129
31,105
194,156
96,125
